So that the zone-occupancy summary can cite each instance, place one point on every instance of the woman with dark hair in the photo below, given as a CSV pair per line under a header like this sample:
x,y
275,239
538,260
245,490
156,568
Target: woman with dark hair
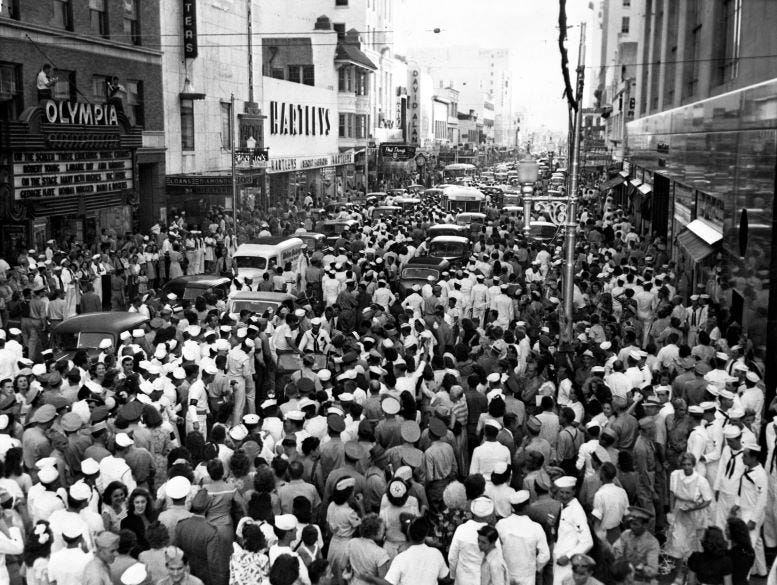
x,y
712,566
285,570
741,552
14,470
365,555
408,409
154,558
396,507
114,505
342,521
249,564
37,550
496,411
240,471
140,514
226,501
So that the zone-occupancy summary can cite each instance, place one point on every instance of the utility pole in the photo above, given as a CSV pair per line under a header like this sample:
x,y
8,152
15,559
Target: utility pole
x,y
574,171
232,156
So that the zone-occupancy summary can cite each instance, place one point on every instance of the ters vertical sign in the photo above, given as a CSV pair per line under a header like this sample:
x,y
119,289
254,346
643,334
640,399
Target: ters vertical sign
x,y
189,29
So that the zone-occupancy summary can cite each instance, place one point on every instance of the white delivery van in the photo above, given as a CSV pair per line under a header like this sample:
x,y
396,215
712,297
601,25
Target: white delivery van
x,y
255,259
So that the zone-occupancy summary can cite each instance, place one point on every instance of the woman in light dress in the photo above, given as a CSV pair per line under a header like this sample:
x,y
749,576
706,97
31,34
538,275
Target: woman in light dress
x,y
175,262
690,495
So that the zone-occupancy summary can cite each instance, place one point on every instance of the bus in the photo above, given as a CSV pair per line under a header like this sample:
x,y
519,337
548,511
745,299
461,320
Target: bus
x,y
463,199
458,170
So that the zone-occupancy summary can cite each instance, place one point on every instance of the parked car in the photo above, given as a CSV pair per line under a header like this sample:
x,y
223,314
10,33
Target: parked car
x,y
259,302
87,331
191,287
386,211
544,231
418,270
455,249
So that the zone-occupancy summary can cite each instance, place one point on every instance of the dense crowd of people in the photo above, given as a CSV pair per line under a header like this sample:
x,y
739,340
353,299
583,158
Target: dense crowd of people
x,y
449,433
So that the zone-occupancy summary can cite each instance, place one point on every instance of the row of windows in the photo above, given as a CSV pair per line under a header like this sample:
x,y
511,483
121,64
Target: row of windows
x,y
66,88
304,74
353,80
62,13
353,126
187,125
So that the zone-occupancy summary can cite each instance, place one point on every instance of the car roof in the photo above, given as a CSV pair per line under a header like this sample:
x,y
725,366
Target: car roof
x,y
102,322
253,295
452,226
255,248
200,280
269,240
456,239
426,262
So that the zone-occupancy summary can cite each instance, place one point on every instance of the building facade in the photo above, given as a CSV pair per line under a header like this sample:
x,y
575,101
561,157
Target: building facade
x,y
203,72
86,153
702,156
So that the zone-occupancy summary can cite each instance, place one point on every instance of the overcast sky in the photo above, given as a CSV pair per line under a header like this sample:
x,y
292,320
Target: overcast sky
x,y
527,26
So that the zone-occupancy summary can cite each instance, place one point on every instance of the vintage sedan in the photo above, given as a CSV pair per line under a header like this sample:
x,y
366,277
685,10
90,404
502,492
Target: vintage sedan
x,y
89,330
455,249
418,270
260,302
196,285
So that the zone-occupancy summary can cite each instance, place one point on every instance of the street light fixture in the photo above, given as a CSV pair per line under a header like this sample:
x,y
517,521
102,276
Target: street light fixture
x,y
528,171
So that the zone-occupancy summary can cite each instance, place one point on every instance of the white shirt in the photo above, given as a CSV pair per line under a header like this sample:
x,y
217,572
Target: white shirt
x,y
57,522
486,456
8,364
619,384
464,556
418,565
610,505
753,493
13,544
66,566
573,533
525,548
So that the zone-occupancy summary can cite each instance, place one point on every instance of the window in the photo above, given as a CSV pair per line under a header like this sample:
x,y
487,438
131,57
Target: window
x,y
63,14
341,2
11,95
99,89
98,18
626,3
341,129
361,126
131,25
302,74
625,24
277,73
187,124
226,130
339,28
362,83
731,24
345,80
349,125
134,102
65,88
10,9
692,49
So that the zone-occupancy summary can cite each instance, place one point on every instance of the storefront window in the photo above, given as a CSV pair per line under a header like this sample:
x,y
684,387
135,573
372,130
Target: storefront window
x,y
187,124
99,87
10,93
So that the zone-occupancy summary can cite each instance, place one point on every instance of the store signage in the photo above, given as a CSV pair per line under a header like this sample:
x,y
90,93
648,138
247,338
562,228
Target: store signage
x,y
345,158
38,175
205,181
285,165
189,29
412,130
297,120
397,151
255,158
86,114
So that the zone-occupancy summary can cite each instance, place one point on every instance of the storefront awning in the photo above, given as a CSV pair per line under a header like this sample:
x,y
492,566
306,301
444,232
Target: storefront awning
x,y
624,174
635,182
644,188
705,231
693,245
612,183
350,53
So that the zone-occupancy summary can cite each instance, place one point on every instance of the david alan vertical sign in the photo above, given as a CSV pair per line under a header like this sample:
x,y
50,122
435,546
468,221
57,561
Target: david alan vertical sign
x,y
189,29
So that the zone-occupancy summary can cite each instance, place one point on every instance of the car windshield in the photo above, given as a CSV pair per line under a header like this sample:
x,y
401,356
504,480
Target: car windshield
x,y
250,262
447,231
92,339
420,273
333,228
445,249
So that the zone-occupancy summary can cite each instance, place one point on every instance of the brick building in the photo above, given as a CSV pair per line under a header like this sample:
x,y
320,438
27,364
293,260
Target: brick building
x,y
76,159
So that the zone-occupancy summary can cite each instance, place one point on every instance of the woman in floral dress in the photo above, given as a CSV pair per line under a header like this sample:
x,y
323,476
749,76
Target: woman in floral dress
x,y
342,520
249,564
